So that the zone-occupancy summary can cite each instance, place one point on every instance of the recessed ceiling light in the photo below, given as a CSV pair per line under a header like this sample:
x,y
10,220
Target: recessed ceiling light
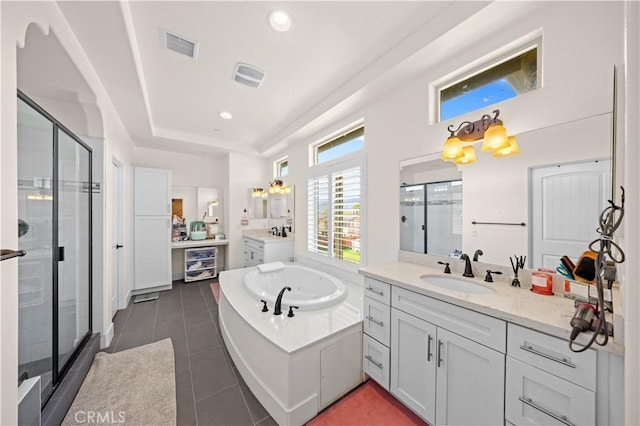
x,y
279,20
226,115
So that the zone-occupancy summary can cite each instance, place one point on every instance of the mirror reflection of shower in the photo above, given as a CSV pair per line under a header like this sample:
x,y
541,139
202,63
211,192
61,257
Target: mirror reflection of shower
x,y
431,217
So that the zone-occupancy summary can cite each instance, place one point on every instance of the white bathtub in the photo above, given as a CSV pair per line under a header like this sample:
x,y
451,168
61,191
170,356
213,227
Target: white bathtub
x,y
310,289
294,366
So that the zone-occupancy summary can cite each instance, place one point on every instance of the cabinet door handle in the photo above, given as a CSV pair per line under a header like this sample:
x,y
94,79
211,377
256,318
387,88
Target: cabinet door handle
x,y
373,290
439,352
375,321
374,362
429,354
534,351
558,417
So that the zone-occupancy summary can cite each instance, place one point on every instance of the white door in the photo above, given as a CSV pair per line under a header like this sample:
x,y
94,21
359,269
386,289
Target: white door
x,y
470,382
566,201
116,235
413,363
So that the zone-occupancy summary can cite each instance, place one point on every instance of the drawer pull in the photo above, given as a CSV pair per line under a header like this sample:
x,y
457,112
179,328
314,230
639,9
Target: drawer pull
x,y
375,321
429,355
374,362
373,290
560,418
534,351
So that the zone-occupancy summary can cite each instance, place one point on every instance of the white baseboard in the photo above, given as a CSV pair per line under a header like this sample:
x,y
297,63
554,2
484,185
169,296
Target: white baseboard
x,y
126,301
106,337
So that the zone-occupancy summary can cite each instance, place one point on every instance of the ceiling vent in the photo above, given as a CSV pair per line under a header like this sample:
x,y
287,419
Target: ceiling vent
x,y
248,75
181,45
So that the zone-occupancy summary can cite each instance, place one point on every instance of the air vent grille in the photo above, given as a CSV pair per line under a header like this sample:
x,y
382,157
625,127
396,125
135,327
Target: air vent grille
x,y
181,45
248,75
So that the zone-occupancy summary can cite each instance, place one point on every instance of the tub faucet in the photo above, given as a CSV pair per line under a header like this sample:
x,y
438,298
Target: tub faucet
x,y
277,310
468,272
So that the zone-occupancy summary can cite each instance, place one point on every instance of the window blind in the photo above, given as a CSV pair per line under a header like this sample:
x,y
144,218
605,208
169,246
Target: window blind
x,y
334,214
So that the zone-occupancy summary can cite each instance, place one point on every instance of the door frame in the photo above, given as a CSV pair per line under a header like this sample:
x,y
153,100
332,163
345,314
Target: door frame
x,y
117,197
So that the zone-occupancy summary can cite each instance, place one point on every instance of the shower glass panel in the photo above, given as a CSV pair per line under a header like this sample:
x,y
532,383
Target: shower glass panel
x,y
444,217
73,239
412,218
54,277
35,232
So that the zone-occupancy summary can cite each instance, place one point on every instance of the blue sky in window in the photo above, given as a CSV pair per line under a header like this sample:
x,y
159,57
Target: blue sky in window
x,y
476,99
343,149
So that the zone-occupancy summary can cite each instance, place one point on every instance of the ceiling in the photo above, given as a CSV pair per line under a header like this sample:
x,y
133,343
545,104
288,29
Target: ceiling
x,y
334,51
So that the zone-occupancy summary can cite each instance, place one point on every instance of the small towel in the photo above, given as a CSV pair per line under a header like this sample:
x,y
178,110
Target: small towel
x,y
270,267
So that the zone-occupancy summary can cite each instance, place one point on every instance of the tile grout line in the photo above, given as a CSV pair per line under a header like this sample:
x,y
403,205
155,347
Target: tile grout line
x,y
124,325
186,339
230,361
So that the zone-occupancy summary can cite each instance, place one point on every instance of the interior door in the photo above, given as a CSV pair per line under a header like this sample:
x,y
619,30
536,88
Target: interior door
x,y
566,201
116,215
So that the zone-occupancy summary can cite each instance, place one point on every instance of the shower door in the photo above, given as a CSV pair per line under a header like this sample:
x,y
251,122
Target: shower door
x,y
412,217
54,277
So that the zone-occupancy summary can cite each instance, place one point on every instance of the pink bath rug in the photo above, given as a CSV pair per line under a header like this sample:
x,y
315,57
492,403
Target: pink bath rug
x,y
215,289
368,405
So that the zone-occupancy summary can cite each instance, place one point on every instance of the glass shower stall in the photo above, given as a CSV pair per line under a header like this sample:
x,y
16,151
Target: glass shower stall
x,y
54,228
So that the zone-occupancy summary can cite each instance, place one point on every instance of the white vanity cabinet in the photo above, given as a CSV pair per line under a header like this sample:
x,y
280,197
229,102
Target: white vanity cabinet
x,y
258,251
377,330
546,382
442,374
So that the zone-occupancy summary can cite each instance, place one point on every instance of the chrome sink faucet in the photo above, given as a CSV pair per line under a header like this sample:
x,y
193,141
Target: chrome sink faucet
x,y
468,272
277,310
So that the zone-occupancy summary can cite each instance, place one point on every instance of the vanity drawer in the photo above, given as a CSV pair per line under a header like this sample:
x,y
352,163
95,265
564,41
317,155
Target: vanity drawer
x,y
376,318
535,397
552,355
375,360
480,328
377,290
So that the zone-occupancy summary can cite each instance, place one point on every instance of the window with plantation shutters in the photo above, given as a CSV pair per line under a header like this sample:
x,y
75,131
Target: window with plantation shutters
x,y
334,213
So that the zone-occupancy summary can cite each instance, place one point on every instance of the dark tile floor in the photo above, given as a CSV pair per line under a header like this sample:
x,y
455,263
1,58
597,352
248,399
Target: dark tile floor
x,y
209,389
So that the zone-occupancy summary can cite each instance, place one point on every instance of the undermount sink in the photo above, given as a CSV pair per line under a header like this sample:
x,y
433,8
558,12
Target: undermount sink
x,y
457,284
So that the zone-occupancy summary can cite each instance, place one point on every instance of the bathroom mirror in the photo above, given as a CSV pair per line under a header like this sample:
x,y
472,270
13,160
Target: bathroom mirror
x,y
281,208
257,202
197,203
557,187
208,204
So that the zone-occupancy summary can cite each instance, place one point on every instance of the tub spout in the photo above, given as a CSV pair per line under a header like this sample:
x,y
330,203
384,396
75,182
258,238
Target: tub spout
x,y
277,310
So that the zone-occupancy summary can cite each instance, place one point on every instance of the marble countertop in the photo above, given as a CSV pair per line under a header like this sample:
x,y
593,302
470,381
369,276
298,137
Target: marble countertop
x,y
265,236
198,243
518,305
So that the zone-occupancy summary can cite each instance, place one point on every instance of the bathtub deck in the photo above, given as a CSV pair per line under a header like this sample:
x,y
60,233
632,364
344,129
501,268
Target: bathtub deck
x,y
303,330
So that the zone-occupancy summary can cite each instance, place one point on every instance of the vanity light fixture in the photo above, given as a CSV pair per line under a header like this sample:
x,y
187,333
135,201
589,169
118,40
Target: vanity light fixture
x,y
277,187
490,129
259,192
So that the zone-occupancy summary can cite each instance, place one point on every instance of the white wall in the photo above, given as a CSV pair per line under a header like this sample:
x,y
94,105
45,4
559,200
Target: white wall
x,y
16,16
245,172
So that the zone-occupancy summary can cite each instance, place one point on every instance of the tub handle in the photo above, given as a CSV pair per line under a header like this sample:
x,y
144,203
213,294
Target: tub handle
x,y
375,321
373,290
374,362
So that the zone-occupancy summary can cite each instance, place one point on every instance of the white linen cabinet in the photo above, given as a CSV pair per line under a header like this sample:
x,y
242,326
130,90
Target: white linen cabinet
x,y
152,230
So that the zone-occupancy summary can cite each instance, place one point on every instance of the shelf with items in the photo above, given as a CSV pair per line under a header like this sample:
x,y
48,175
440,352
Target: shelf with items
x,y
200,263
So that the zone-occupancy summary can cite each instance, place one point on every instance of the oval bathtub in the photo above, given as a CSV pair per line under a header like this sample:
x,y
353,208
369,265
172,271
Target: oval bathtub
x,y
310,289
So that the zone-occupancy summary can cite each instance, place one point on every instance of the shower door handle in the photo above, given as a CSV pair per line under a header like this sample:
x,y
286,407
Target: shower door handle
x,y
10,254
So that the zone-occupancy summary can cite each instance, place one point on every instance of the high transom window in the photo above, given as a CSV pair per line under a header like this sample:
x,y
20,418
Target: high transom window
x,y
348,143
507,79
